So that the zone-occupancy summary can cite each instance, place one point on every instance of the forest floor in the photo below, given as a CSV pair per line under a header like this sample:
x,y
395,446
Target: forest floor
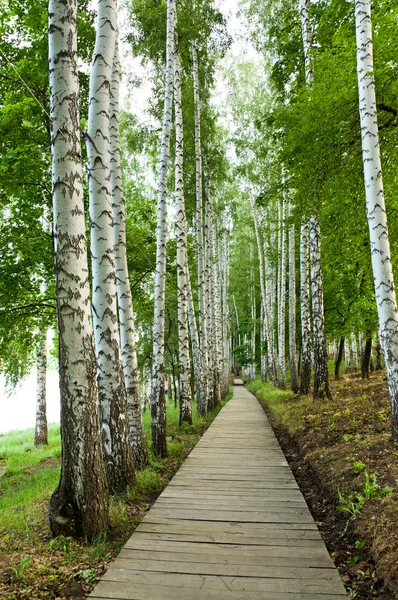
x,y
34,566
346,464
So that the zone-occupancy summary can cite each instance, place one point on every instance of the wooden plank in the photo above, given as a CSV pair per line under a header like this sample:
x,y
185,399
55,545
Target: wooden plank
x,y
232,539
283,507
252,529
225,570
143,541
164,556
186,587
273,515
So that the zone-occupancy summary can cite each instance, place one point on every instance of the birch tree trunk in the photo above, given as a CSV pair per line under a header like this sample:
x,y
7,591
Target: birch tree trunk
x,y
264,315
79,505
158,399
354,352
294,383
269,305
213,301
111,387
321,385
125,304
209,294
306,345
282,296
225,315
204,371
375,205
181,234
347,356
193,331
218,347
41,431
321,373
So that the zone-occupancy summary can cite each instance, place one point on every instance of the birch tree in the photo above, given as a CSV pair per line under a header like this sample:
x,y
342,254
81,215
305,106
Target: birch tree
x,y
306,346
181,234
41,430
158,400
321,375
213,290
111,387
208,323
128,347
193,332
294,383
375,205
79,505
204,381
282,294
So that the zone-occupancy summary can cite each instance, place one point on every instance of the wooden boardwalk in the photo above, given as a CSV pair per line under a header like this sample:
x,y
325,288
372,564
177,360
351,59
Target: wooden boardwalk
x,y
231,525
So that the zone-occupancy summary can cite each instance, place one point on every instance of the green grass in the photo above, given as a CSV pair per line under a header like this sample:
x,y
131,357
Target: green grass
x,y
30,474
272,396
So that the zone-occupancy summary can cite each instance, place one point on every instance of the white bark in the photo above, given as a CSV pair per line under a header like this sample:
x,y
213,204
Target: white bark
x,y
125,304
321,384
158,400
218,345
306,345
193,332
307,39
294,383
41,431
375,205
111,387
354,352
347,356
225,315
204,381
181,234
209,294
282,295
213,289
264,314
270,311
321,374
83,483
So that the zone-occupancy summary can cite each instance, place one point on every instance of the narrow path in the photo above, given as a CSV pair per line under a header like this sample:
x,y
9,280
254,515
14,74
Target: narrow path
x,y
232,524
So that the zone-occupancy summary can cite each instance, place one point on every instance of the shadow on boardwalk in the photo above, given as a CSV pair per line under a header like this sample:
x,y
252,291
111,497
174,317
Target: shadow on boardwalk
x,y
232,524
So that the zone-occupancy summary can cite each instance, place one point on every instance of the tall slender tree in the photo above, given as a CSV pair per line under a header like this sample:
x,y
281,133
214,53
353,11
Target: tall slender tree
x,y
181,234
41,430
111,387
321,375
305,303
204,381
128,346
375,205
79,505
158,400
294,383
282,295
